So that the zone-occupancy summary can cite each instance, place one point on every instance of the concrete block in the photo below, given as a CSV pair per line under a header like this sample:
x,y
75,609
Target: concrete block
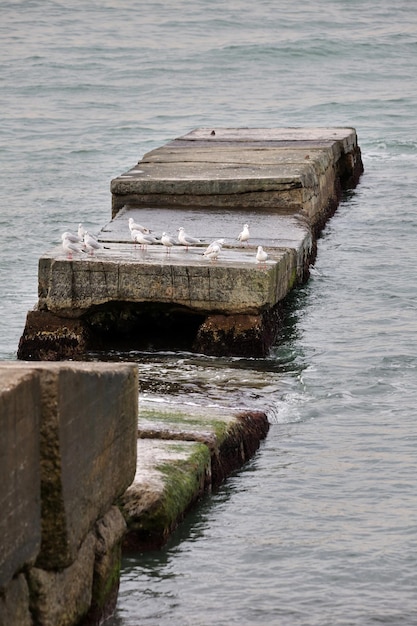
x,y
88,449
110,531
14,604
20,526
231,435
64,596
170,476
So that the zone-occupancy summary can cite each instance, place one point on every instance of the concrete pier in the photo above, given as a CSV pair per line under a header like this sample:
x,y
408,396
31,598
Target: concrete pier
x,y
284,183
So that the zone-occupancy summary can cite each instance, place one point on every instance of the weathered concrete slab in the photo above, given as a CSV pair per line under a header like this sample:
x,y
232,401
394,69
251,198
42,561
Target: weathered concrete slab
x,y
232,436
285,170
183,451
233,284
170,476
64,596
284,183
20,508
88,425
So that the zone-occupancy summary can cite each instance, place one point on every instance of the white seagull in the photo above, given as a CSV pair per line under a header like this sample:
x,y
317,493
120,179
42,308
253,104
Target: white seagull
x,y
244,235
142,239
135,226
261,256
91,243
81,232
168,242
186,240
71,246
72,237
213,251
217,242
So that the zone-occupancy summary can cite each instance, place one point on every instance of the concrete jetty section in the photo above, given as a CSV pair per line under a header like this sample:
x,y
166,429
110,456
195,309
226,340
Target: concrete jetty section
x,y
87,470
283,183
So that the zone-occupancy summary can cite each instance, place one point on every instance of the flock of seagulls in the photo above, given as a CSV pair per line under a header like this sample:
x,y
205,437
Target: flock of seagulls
x,y
84,243
79,243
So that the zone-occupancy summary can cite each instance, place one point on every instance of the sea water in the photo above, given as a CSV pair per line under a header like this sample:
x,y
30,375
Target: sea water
x,y
319,529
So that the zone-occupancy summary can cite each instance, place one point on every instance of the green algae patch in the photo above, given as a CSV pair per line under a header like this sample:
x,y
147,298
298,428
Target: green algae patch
x,y
232,436
196,425
171,477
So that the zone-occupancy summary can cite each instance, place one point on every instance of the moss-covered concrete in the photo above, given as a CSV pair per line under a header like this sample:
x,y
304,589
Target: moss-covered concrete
x,y
231,435
183,451
170,477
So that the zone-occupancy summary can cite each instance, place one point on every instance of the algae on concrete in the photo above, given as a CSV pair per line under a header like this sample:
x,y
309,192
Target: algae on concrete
x,y
170,477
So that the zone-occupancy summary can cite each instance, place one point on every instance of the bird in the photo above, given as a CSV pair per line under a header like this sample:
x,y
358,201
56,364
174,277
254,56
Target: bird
x,y
91,243
186,240
71,246
244,235
261,256
135,226
168,242
143,239
213,251
72,237
81,231
217,242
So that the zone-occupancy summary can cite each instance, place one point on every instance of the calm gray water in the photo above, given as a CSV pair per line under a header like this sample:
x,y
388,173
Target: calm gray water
x,y
319,529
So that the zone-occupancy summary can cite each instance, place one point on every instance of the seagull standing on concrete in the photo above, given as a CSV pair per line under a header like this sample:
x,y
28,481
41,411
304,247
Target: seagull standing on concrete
x,y
168,242
244,235
71,244
81,232
91,243
186,240
213,251
142,239
135,226
261,256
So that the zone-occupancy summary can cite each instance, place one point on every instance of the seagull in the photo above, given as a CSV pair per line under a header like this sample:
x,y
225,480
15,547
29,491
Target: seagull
x,y
168,242
186,240
71,246
213,251
81,232
135,226
91,242
261,256
143,239
72,237
244,235
217,242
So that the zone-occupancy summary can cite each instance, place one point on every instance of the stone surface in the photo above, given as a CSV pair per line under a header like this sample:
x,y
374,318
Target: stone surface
x,y
14,604
64,596
282,169
88,449
285,183
47,337
20,525
170,477
231,435
110,531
